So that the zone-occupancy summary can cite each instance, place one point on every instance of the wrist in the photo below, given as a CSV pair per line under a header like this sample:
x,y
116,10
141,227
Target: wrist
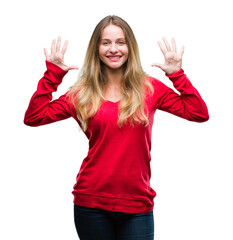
x,y
174,72
55,70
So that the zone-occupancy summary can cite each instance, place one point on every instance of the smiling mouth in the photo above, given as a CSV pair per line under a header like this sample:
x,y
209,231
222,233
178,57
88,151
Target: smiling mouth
x,y
113,56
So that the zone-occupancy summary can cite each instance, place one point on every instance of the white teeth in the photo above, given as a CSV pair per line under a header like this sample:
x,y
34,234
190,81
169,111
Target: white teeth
x,y
114,57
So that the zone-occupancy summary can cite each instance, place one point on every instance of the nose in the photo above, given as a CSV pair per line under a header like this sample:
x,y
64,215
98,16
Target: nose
x,y
113,48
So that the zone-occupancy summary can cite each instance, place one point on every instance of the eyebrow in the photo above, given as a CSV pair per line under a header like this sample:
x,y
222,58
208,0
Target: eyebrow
x,y
109,39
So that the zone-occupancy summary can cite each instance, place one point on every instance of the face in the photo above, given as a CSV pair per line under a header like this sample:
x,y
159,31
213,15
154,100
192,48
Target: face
x,y
113,49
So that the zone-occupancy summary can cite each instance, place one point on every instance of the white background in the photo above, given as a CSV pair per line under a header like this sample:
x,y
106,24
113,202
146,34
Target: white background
x,y
191,162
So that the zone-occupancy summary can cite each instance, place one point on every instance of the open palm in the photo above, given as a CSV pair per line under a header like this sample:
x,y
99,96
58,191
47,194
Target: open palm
x,y
173,59
57,55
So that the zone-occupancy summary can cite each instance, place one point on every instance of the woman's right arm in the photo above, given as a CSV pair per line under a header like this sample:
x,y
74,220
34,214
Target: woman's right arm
x,y
41,109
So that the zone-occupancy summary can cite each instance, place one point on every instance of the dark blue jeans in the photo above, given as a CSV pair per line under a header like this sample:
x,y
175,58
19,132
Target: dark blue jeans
x,y
97,224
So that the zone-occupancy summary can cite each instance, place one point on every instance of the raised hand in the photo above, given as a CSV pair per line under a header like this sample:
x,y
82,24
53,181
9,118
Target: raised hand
x,y
173,60
57,55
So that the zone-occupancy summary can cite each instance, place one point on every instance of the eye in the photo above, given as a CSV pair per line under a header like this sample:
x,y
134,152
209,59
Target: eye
x,y
121,42
105,43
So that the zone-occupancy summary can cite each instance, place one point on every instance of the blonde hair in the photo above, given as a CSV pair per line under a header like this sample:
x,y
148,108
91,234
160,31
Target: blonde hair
x,y
87,93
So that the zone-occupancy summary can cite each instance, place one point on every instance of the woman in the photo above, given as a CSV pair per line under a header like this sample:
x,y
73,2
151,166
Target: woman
x,y
114,103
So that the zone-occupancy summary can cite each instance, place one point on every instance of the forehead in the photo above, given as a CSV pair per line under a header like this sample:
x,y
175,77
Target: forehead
x,y
112,31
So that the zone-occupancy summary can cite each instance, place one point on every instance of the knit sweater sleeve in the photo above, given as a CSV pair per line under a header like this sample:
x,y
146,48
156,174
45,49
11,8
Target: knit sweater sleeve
x,y
188,104
42,110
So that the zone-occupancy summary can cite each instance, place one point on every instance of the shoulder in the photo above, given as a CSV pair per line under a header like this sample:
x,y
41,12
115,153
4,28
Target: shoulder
x,y
159,90
67,103
157,84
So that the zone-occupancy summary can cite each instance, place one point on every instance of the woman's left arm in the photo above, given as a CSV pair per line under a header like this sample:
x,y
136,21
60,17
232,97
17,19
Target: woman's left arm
x,y
188,104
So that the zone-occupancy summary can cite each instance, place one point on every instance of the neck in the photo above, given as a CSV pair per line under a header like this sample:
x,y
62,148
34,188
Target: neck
x,y
113,76
112,90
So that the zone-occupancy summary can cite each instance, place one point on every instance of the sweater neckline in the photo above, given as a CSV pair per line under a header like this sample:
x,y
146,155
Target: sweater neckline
x,y
112,101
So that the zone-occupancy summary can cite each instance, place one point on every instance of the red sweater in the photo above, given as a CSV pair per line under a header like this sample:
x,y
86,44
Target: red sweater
x,y
116,173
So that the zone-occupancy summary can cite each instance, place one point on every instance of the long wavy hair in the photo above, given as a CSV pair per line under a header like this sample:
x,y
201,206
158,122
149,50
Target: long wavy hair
x,y
87,93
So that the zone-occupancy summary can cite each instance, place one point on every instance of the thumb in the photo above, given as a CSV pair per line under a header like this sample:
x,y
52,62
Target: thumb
x,y
159,65
72,67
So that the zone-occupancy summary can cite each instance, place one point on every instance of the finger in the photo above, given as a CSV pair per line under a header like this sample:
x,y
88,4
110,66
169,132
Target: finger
x,y
174,45
72,67
181,51
166,44
162,48
156,65
58,44
46,54
53,46
64,47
